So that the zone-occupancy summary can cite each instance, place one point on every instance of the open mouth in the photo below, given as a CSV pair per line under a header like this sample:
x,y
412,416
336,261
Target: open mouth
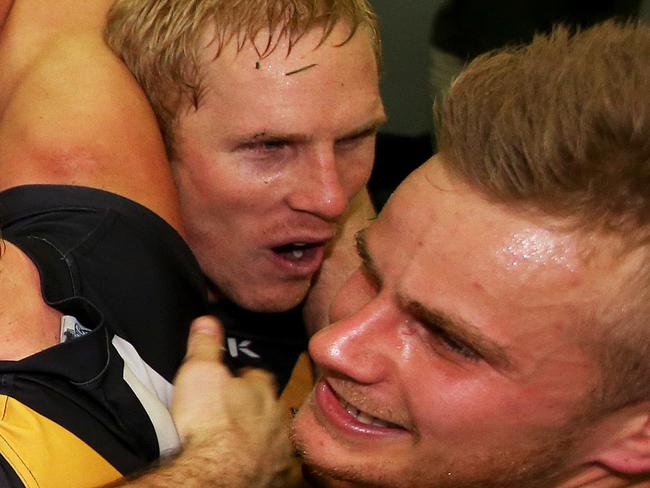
x,y
297,251
364,417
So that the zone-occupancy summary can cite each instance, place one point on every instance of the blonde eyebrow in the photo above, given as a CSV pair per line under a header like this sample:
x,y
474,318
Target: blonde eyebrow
x,y
369,266
459,329
298,138
453,326
367,129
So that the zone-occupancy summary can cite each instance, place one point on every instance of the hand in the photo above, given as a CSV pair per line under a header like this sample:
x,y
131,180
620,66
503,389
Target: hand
x,y
236,419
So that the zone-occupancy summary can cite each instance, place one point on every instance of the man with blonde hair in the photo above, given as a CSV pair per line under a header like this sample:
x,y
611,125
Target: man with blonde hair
x,y
498,332
269,111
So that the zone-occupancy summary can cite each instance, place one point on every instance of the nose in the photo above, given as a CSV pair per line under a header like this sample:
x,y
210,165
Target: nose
x,y
360,346
319,189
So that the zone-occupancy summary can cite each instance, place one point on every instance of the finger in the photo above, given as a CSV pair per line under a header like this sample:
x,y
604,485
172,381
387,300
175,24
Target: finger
x,y
256,375
260,388
205,339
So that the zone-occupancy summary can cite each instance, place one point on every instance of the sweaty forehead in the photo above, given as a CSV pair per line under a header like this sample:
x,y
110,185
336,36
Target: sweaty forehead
x,y
522,284
244,93
511,239
274,54
449,243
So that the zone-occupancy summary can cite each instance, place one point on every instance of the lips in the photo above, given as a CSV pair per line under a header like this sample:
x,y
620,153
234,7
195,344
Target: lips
x,y
364,417
347,417
297,251
301,257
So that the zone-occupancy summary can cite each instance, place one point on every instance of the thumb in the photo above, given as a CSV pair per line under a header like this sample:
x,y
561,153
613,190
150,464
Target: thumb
x,y
205,339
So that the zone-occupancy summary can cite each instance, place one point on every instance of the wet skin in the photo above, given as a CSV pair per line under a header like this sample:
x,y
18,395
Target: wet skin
x,y
454,358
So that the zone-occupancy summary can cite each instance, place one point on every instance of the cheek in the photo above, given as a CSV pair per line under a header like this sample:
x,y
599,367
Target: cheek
x,y
477,408
355,168
215,173
227,195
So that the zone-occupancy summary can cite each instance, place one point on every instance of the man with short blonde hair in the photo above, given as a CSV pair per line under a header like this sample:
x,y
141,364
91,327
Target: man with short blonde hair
x,y
269,111
497,333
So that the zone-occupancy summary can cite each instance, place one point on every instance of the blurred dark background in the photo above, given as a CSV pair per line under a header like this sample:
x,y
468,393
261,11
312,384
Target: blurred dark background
x,y
427,42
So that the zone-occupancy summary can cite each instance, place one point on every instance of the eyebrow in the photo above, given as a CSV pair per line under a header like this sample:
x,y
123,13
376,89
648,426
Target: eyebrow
x,y
293,137
459,329
369,266
453,326
365,130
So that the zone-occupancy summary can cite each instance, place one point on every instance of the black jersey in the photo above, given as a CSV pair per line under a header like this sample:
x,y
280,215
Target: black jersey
x,y
93,408
272,341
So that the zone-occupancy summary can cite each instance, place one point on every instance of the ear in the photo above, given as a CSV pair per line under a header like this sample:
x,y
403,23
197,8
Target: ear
x,y
626,447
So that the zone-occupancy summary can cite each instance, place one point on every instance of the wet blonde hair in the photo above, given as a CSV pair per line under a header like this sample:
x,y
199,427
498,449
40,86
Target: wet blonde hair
x,y
161,41
562,127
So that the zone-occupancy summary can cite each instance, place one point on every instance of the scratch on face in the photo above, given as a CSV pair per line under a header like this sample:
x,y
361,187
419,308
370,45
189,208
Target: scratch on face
x,y
304,68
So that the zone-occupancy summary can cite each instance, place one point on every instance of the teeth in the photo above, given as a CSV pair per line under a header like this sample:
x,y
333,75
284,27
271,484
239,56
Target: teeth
x,y
352,410
300,244
296,253
381,423
363,417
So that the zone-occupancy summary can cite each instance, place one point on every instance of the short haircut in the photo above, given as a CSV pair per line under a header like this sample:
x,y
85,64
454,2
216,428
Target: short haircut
x,y
160,41
561,127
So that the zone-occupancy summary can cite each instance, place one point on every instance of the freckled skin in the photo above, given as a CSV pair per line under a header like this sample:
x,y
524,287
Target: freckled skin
x,y
469,421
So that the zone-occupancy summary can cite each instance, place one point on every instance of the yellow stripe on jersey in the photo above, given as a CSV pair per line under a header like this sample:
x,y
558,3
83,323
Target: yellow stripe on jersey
x,y
43,454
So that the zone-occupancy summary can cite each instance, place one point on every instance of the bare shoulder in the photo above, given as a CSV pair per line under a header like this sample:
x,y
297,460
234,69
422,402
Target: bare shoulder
x,y
71,113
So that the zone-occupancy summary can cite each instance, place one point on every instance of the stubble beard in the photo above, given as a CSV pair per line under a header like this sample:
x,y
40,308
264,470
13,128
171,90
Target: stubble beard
x,y
542,466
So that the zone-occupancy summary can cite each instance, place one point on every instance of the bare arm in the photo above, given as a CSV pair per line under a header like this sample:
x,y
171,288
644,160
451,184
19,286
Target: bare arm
x,y
5,6
232,428
70,111
339,264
